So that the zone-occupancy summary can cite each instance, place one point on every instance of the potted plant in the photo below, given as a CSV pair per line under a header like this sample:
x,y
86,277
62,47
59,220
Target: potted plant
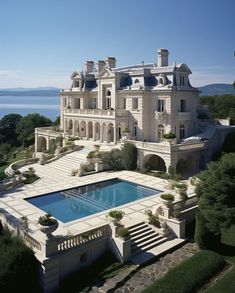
x,y
170,137
97,147
47,224
116,216
123,233
167,198
181,188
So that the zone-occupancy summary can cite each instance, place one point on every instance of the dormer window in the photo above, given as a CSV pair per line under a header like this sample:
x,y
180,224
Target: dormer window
x,y
76,83
181,80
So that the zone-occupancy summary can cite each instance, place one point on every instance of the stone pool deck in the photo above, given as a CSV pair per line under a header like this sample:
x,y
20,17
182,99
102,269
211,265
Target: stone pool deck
x,y
13,201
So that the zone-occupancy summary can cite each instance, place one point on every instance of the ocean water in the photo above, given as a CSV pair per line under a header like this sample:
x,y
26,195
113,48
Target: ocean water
x,y
49,106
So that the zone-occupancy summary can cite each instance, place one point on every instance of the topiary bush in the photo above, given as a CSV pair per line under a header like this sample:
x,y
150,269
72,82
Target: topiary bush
x,y
168,196
123,233
129,155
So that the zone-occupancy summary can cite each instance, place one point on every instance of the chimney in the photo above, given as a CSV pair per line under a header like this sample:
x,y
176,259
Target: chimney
x,y
162,57
89,66
100,65
111,62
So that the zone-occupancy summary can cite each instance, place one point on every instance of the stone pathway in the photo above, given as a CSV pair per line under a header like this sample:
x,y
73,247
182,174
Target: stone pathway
x,y
141,278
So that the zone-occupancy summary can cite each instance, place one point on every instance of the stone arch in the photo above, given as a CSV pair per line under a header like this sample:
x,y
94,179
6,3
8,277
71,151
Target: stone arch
x,y
42,144
52,144
97,131
82,129
155,162
110,132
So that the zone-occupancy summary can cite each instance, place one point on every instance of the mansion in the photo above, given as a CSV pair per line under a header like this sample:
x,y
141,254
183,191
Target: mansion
x,y
139,104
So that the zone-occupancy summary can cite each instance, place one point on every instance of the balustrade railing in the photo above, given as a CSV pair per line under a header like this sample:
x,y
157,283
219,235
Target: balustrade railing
x,y
83,238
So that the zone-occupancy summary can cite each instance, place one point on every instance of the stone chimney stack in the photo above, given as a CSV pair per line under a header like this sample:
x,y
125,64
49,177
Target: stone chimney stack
x,y
89,66
100,65
111,62
162,57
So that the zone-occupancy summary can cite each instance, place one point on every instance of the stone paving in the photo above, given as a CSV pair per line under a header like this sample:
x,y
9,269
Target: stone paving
x,y
141,278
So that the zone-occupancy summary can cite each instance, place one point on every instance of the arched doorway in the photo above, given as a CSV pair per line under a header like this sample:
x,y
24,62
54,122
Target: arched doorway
x,y
42,144
155,162
82,129
52,144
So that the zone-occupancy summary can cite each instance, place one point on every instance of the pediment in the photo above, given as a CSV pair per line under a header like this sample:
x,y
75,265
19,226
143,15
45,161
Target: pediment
x,y
76,75
184,68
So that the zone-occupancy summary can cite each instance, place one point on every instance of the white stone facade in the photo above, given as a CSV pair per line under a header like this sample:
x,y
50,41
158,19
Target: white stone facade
x,y
148,100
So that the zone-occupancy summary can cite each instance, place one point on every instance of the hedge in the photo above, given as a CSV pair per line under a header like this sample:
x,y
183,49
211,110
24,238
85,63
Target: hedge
x,y
190,275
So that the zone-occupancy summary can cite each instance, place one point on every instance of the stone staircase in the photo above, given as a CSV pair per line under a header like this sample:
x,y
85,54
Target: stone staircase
x,y
72,160
144,238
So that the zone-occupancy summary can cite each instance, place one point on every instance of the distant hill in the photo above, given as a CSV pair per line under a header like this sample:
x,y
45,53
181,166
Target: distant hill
x,y
217,89
40,91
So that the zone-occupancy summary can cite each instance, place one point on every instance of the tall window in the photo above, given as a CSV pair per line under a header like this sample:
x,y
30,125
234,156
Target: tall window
x,y
124,103
160,132
135,103
161,105
108,103
135,128
183,105
182,131
93,103
181,80
77,103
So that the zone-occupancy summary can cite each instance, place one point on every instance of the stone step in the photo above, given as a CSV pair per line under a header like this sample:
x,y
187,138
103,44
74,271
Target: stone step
x,y
146,241
136,228
149,232
140,231
143,237
150,246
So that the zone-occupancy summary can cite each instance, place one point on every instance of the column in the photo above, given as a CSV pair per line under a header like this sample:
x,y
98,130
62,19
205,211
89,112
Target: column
x,y
73,129
87,130
114,133
94,134
36,143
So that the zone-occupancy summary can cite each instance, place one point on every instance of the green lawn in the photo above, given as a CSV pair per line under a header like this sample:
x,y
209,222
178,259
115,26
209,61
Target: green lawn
x,y
227,283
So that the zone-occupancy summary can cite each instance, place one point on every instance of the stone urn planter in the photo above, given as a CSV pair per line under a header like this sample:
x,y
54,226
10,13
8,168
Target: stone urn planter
x,y
47,224
167,199
115,216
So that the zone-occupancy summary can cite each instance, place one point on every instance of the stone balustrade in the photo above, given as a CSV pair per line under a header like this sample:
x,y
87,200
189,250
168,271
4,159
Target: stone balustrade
x,y
96,112
74,241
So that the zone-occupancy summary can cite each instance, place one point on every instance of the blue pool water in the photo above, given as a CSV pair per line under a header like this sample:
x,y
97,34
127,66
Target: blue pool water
x,y
86,200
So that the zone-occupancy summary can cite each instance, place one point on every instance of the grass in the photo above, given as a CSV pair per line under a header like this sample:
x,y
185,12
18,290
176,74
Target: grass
x,y
104,268
190,275
227,249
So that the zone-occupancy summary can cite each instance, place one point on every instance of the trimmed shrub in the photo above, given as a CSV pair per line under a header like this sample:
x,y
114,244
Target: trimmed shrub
x,y
167,196
189,275
169,135
123,233
162,175
129,154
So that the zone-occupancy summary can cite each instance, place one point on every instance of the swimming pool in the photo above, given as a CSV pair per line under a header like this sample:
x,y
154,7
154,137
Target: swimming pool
x,y
90,199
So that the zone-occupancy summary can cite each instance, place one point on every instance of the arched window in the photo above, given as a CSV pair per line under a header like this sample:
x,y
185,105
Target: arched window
x,y
160,132
182,131
137,81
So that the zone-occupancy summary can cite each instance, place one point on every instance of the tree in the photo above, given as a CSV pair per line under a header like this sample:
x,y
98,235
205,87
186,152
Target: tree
x,y
229,143
216,193
25,128
57,121
129,154
8,126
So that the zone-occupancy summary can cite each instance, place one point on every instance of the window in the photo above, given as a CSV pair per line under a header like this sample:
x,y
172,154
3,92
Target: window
x,y
108,93
77,103
93,103
108,103
181,80
76,83
124,103
161,105
182,131
137,81
135,103
135,128
183,105
160,132
65,102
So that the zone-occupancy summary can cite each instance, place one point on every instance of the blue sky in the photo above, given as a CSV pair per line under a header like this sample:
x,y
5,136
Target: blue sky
x,y
43,41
